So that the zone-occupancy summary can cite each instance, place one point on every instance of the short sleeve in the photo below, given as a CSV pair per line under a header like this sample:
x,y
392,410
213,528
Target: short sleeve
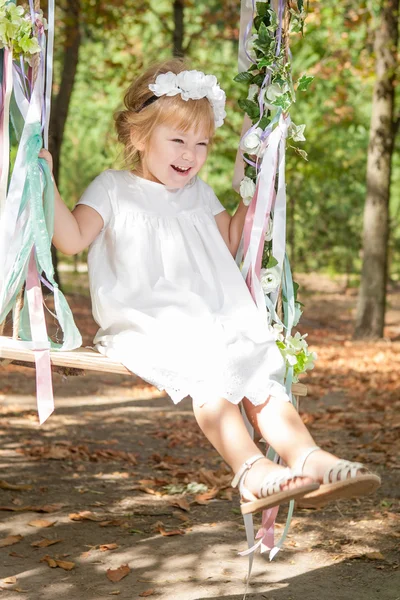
x,y
97,196
213,202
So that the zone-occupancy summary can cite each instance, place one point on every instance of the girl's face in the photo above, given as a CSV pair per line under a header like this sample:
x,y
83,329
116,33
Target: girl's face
x,y
173,157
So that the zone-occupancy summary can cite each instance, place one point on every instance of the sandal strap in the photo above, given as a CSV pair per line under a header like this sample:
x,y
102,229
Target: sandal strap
x,y
244,468
343,468
271,484
301,461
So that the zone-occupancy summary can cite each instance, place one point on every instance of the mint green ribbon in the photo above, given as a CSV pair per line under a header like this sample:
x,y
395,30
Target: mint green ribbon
x,y
36,211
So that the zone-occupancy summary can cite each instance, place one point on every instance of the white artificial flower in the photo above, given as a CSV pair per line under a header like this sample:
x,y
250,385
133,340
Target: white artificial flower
x,y
275,90
297,314
192,85
253,90
270,279
276,331
247,189
296,132
270,228
252,142
250,46
165,85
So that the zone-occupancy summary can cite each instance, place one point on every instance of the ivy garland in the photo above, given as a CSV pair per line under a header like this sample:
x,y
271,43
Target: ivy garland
x,y
271,92
17,33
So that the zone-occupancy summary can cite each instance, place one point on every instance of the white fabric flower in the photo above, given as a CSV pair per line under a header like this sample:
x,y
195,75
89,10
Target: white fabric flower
x,y
192,85
252,142
253,90
270,279
165,85
275,90
247,189
276,331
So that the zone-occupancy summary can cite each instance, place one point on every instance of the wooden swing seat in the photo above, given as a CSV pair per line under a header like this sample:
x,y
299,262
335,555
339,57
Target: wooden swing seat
x,y
84,359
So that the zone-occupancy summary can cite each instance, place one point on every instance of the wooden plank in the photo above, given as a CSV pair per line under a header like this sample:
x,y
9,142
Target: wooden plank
x,y
86,359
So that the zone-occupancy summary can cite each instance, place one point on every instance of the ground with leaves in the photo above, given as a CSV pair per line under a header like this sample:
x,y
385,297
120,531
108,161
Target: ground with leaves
x,y
118,494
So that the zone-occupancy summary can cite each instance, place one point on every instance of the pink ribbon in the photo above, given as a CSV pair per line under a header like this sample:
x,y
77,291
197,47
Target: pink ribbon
x,y
44,386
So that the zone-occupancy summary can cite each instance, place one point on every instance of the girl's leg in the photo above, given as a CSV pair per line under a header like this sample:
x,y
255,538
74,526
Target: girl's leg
x,y
281,426
224,427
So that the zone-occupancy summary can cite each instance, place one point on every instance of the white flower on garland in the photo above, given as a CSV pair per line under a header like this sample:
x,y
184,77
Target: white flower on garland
x,y
296,132
270,279
252,142
297,314
275,90
295,351
247,189
276,331
253,90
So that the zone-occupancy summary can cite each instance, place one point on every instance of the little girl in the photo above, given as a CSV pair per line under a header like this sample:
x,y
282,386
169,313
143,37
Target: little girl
x,y
171,303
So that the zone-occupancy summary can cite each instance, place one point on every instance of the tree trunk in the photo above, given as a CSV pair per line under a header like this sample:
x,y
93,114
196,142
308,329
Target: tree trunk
x,y
371,307
60,104
178,28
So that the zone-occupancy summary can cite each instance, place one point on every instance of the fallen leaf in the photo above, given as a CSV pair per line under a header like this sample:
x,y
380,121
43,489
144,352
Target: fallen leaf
x,y
54,562
44,543
10,540
374,556
180,503
9,580
41,523
16,555
113,522
65,564
116,593
164,533
116,575
20,590
85,515
4,485
105,547
50,561
147,593
206,497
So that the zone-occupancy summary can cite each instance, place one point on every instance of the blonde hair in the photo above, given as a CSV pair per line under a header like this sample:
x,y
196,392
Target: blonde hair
x,y
136,124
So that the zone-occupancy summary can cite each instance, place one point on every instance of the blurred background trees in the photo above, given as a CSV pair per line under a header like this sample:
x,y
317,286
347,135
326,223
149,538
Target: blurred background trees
x,y
113,42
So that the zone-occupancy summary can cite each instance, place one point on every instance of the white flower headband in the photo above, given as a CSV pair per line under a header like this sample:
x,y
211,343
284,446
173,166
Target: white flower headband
x,y
191,85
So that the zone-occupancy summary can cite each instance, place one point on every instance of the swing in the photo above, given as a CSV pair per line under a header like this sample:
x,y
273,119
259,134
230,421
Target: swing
x,y
26,105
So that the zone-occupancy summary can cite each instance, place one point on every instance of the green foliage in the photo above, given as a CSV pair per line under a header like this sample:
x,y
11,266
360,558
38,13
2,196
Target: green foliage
x,y
326,194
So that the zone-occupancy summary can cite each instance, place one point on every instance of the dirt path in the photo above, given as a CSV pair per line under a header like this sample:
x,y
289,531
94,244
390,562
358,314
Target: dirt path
x,y
102,472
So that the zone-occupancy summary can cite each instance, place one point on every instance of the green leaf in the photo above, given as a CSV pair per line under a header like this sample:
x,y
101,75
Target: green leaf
x,y
263,35
250,172
272,262
266,61
250,108
262,8
300,4
258,79
304,82
265,121
244,77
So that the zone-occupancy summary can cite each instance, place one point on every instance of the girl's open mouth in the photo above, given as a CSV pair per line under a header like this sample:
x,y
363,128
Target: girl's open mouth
x,y
181,170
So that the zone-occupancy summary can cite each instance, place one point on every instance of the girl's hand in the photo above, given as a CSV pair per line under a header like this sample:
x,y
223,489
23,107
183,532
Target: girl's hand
x,y
47,157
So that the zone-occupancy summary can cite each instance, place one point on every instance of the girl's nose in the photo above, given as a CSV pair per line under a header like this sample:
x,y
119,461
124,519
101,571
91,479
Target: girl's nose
x,y
188,154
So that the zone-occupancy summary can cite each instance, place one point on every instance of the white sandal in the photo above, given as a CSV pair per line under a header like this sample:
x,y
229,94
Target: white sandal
x,y
270,488
343,480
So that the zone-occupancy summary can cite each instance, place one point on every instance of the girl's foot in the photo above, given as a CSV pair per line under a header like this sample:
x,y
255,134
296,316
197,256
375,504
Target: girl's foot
x,y
263,484
264,467
338,478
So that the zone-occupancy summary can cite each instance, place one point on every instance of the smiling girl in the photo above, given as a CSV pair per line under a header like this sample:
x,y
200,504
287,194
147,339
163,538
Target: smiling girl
x,y
170,301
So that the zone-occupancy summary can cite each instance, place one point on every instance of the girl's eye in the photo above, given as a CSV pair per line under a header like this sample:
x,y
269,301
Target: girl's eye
x,y
203,144
178,140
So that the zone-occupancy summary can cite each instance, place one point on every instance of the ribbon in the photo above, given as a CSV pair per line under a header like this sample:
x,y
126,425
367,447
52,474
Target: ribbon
x,y
6,89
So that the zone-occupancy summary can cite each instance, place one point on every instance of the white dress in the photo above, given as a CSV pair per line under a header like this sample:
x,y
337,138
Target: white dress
x,y
170,301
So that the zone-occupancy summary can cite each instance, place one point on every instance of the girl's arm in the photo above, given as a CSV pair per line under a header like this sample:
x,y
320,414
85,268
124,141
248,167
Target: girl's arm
x,y
73,232
231,228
